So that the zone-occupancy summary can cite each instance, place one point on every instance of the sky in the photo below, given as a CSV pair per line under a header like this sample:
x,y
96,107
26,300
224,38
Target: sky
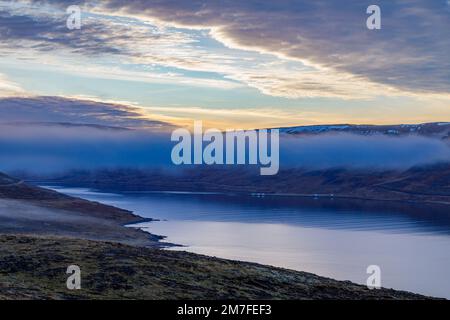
x,y
232,64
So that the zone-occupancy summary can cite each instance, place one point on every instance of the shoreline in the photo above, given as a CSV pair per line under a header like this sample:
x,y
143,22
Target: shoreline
x,y
254,194
136,219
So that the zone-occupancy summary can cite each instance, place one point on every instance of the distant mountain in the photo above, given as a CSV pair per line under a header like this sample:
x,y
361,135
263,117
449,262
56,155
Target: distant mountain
x,y
424,184
6,180
433,129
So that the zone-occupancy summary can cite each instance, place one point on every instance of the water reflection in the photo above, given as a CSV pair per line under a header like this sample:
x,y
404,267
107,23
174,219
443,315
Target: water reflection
x,y
337,238
385,216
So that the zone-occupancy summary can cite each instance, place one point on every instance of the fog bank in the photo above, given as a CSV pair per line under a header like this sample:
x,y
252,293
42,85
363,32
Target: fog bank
x,y
40,149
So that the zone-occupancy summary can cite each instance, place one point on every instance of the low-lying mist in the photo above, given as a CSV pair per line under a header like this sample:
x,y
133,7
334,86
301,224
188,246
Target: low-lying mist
x,y
357,151
43,150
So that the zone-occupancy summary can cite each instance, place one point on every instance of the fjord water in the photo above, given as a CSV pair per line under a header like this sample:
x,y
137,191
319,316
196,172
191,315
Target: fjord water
x,y
329,237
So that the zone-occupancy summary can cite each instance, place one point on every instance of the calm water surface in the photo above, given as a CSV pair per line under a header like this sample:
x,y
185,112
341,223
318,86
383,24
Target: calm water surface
x,y
333,238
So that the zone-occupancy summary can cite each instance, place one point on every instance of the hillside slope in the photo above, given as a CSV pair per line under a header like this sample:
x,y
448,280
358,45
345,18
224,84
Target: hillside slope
x,y
114,271
425,184
31,210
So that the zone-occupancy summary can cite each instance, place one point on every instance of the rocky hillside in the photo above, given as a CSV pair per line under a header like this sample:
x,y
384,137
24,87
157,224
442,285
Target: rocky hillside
x,y
35,268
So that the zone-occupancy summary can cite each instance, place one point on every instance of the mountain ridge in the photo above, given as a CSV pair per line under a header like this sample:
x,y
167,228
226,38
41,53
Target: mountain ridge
x,y
423,183
429,129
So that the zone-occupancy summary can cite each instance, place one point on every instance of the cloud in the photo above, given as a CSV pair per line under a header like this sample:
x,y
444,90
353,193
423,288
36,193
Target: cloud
x,y
52,134
40,149
319,49
9,88
74,111
123,49
48,32
410,52
362,152
296,83
47,149
115,113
